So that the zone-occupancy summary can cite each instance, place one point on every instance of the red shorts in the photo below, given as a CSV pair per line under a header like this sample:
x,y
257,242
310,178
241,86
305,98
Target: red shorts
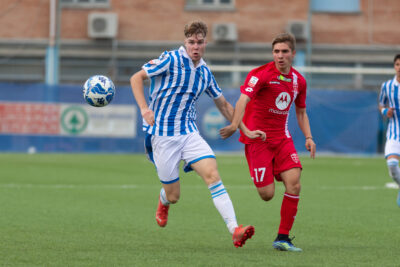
x,y
268,159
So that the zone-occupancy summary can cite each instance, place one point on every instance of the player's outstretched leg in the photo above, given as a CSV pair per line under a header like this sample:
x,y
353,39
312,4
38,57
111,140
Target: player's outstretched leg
x,y
241,234
224,206
284,243
162,209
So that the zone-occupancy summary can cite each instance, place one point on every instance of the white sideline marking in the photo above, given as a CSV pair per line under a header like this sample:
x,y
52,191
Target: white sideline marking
x,y
354,187
133,186
69,186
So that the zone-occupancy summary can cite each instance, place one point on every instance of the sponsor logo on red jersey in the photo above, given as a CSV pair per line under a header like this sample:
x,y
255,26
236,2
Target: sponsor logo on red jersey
x,y
249,89
282,101
274,82
295,157
253,81
278,111
283,78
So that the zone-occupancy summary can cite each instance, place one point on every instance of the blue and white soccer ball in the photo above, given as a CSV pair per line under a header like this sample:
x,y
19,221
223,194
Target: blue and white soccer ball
x,y
98,91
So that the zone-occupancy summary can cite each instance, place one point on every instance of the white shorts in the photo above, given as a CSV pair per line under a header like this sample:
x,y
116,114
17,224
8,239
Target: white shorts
x,y
392,147
166,152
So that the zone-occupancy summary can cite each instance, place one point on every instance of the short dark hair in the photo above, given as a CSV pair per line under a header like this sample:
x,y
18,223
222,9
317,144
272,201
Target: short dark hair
x,y
195,27
285,38
396,57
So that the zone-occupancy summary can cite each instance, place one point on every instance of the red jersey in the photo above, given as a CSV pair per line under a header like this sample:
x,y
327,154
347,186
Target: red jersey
x,y
271,96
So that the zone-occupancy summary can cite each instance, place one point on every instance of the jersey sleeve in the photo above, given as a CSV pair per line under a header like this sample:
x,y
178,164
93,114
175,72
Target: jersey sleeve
x,y
212,90
252,83
301,97
157,66
383,100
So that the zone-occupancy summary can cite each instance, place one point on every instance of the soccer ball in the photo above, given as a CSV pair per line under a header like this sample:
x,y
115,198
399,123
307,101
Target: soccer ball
x,y
98,91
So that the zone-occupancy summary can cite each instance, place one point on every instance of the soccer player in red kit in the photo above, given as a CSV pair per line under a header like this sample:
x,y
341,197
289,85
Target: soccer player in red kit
x,y
264,104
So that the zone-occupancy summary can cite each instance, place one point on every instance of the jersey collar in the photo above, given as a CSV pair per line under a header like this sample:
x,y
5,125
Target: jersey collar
x,y
183,52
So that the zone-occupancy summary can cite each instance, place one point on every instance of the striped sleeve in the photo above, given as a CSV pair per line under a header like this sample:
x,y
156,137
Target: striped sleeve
x,y
213,90
383,100
157,66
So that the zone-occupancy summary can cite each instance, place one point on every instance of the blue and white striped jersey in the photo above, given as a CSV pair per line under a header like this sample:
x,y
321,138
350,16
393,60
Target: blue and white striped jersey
x,y
175,87
390,97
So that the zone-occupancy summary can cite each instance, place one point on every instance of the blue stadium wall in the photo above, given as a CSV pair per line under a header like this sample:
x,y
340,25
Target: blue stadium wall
x,y
341,122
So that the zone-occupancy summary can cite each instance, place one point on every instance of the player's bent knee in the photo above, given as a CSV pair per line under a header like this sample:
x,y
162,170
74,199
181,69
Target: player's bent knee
x,y
211,177
173,198
266,195
172,193
293,188
296,188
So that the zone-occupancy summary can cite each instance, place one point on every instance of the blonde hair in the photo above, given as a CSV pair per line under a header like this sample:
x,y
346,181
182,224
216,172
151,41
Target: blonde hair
x,y
285,38
195,28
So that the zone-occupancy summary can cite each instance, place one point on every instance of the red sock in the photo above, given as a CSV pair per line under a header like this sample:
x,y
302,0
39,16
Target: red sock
x,y
288,213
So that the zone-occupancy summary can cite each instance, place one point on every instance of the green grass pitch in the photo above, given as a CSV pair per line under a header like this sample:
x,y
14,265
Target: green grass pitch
x,y
98,210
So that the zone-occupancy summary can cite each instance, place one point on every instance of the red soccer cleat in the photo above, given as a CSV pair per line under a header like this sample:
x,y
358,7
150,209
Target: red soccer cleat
x,y
162,214
241,234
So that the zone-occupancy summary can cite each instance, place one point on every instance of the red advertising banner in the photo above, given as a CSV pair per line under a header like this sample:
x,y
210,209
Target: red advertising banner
x,y
68,120
29,118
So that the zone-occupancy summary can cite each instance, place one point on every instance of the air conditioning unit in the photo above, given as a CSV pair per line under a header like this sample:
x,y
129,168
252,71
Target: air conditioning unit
x,y
225,32
299,28
102,25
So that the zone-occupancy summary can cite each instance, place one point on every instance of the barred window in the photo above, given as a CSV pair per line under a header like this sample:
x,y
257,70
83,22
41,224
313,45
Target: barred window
x,y
86,3
210,5
337,6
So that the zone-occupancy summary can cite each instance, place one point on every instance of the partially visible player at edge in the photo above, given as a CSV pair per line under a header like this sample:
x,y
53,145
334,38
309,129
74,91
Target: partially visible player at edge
x,y
264,104
178,78
389,106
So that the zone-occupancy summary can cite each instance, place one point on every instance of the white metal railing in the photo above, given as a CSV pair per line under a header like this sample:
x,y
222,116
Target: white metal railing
x,y
360,77
304,69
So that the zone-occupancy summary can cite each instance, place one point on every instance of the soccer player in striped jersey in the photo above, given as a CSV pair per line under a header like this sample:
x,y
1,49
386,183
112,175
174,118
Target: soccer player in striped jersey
x,y
264,104
178,78
389,106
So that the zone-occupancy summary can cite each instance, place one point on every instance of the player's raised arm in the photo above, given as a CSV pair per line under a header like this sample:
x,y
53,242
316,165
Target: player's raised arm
x,y
137,80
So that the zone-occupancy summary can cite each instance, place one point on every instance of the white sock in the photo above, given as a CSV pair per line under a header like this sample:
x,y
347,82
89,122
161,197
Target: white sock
x,y
394,170
163,197
223,204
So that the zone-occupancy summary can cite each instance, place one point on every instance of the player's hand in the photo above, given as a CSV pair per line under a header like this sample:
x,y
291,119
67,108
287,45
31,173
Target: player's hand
x,y
256,134
148,116
390,112
227,131
310,146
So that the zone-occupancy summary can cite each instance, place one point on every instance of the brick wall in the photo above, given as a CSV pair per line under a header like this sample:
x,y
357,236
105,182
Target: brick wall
x,y
161,20
377,23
